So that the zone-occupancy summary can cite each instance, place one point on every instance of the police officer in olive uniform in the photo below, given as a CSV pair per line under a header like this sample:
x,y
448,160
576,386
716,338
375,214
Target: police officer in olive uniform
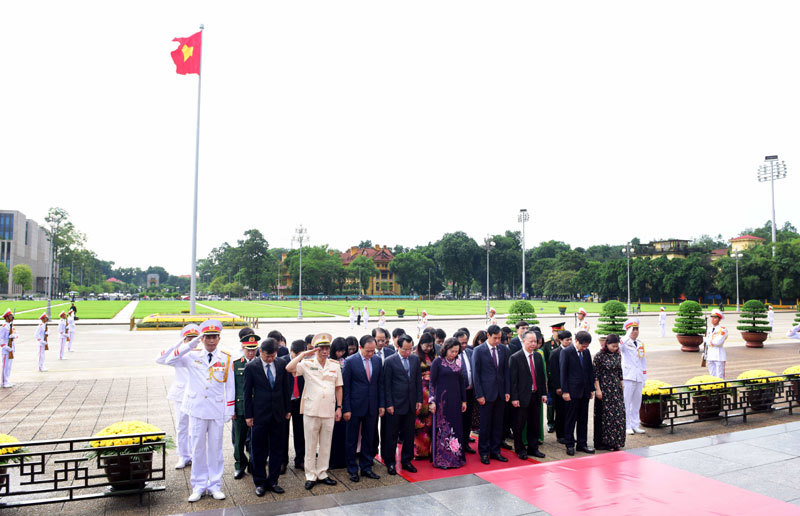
x,y
239,429
547,348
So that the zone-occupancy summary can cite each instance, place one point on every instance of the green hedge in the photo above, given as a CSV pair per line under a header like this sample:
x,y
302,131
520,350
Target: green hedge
x,y
754,317
689,320
612,318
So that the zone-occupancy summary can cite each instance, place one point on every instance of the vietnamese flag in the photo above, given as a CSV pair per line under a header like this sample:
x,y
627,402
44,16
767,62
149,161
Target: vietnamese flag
x,y
187,55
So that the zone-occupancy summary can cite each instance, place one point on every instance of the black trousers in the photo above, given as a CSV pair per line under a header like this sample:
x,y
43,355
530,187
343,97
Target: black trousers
x,y
266,440
577,415
508,420
466,418
491,429
529,415
560,410
398,426
297,435
365,425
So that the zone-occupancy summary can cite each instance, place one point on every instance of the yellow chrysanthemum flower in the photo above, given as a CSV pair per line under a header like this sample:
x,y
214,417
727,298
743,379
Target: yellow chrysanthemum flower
x,y
655,387
126,428
757,376
8,439
794,370
709,383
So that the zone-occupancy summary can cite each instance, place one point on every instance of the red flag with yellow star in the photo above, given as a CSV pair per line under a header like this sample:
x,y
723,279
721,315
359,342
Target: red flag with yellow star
x,y
187,55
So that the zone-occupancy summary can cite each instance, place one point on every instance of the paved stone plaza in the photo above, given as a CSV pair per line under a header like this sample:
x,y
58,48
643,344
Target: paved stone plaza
x,y
112,376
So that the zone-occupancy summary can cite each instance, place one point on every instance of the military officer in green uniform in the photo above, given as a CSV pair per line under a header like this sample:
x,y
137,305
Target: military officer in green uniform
x,y
547,348
239,427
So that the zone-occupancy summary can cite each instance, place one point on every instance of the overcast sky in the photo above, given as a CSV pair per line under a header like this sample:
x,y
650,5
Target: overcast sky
x,y
398,121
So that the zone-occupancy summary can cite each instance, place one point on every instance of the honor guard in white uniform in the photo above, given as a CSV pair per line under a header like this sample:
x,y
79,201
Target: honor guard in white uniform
x,y
71,329
492,316
423,323
352,314
662,322
176,393
366,317
209,401
321,406
771,318
382,319
634,374
583,324
8,338
714,342
63,334
794,333
41,339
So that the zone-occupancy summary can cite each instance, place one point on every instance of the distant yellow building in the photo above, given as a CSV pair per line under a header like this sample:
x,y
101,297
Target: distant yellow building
x,y
744,242
671,248
382,284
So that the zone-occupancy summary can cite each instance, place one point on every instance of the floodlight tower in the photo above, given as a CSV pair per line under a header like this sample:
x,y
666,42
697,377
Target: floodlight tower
x,y
523,217
771,170
300,235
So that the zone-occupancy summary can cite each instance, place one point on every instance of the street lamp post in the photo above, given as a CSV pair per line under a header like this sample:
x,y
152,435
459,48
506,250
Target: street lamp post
x,y
489,244
429,284
523,217
300,235
771,170
50,274
628,250
736,256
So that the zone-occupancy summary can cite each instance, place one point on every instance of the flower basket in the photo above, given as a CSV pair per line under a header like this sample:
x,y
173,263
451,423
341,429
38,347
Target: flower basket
x,y
4,452
690,326
793,373
127,472
401,312
562,310
760,393
708,396
754,323
654,404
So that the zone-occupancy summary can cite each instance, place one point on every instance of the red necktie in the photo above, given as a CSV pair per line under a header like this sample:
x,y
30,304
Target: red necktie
x,y
533,373
296,391
367,366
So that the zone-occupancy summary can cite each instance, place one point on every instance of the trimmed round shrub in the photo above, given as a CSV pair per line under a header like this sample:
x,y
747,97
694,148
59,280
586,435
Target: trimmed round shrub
x,y
754,317
689,320
519,311
612,318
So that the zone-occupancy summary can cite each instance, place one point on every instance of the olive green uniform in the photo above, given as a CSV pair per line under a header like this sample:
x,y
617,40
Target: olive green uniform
x,y
547,348
240,430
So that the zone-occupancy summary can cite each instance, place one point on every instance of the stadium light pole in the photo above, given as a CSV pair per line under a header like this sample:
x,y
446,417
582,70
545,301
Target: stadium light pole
x,y
628,250
771,170
523,217
300,235
489,244
736,256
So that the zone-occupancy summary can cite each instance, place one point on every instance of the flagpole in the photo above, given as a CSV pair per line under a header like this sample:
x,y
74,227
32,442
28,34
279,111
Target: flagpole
x,y
193,280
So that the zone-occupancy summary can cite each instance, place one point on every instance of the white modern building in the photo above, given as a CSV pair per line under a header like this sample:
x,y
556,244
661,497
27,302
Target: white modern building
x,y
23,240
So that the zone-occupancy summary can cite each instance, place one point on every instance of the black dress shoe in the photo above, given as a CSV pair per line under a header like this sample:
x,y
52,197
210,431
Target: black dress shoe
x,y
485,459
261,491
354,477
328,481
551,429
370,474
469,449
472,439
407,466
570,451
537,454
497,456
585,449
522,456
299,466
391,470
504,445
309,484
561,440
283,469
277,489
238,474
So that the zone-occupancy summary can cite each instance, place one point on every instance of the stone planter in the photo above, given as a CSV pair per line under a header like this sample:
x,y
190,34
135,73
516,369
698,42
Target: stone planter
x,y
126,472
690,343
603,340
401,312
708,406
652,414
562,310
754,339
760,398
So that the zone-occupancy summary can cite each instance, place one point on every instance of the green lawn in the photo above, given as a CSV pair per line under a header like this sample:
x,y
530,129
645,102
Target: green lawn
x,y
86,309
36,307
145,308
264,309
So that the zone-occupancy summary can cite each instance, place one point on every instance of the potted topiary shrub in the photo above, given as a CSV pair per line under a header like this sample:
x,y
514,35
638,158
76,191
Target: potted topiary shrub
x,y
521,310
562,309
753,323
612,318
690,325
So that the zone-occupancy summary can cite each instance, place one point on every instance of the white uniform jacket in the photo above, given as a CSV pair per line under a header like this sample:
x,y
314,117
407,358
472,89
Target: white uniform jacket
x,y
210,390
178,387
794,333
62,328
715,338
634,364
5,336
41,331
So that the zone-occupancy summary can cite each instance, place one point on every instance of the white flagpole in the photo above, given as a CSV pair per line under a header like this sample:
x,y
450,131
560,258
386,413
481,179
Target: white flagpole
x,y
193,281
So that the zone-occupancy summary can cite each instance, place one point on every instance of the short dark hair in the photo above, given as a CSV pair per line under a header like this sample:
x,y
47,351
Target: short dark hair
x,y
299,346
337,345
426,338
276,335
270,345
612,338
583,337
564,334
397,332
376,330
448,344
504,338
493,330
308,339
430,330
506,330
402,339
521,323
351,341
366,339
440,334
480,338
465,331
457,335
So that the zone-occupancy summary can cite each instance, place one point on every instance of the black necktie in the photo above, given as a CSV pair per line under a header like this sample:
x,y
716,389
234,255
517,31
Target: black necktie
x,y
210,356
580,356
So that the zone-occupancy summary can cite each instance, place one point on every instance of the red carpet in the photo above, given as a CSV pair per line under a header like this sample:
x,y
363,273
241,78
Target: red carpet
x,y
426,471
622,483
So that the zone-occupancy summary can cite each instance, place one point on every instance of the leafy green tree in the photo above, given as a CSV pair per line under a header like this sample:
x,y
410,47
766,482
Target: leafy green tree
x,y
322,270
3,276
218,285
457,255
411,271
362,268
22,276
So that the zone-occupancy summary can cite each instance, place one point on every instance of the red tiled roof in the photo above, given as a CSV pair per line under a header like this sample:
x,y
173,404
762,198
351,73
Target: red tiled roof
x,y
377,255
719,252
746,237
114,280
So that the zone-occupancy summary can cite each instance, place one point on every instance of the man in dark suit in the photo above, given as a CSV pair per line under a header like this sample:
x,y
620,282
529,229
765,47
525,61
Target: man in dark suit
x,y
403,389
577,387
466,417
266,407
528,392
297,383
492,384
564,339
362,404
383,350
516,343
